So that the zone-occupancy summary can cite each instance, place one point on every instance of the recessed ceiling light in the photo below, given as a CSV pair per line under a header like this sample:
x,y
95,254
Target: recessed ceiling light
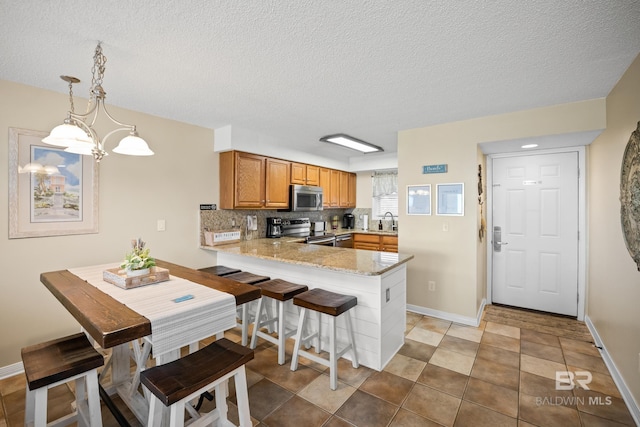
x,y
529,146
351,142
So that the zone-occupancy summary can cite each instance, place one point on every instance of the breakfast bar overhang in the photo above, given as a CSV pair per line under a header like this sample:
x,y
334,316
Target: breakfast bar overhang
x,y
377,279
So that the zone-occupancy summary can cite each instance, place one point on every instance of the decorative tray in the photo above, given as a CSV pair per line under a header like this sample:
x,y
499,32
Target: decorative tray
x,y
119,277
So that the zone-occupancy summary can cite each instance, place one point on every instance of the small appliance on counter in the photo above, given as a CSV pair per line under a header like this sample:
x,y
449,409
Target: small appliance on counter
x,y
365,222
274,227
334,222
348,221
318,226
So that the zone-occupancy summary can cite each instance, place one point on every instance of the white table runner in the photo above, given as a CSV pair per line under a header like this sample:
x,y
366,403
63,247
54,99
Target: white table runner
x,y
173,325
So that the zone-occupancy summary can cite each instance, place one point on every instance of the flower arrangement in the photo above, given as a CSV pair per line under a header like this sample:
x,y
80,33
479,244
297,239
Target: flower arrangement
x,y
138,258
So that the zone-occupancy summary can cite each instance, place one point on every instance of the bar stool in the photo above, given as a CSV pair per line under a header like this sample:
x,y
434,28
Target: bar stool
x,y
243,311
49,364
280,291
332,304
220,270
176,383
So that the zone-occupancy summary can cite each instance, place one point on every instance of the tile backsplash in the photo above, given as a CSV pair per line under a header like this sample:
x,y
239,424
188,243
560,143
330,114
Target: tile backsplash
x,y
237,219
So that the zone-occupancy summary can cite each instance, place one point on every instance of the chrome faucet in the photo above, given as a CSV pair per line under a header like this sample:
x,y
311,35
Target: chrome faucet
x,y
393,223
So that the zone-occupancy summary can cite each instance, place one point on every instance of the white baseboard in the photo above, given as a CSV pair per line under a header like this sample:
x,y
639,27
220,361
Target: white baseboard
x,y
634,409
11,370
456,318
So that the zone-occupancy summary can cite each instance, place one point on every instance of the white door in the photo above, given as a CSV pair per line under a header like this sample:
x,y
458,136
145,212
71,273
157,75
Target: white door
x,y
535,232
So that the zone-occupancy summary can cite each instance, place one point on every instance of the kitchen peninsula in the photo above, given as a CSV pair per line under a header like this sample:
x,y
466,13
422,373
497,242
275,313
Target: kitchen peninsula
x,y
377,279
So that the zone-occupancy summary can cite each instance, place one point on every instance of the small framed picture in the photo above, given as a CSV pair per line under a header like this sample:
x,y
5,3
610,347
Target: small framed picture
x,y
419,199
450,199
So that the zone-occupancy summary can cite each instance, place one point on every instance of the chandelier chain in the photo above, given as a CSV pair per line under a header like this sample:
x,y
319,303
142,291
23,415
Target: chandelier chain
x,y
71,96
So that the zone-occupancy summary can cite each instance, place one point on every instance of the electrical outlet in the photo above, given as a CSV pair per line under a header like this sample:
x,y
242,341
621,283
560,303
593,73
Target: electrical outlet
x,y
388,294
445,226
431,285
161,225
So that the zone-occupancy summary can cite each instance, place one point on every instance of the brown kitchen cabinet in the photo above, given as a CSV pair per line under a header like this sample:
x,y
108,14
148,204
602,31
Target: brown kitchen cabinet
x,y
303,174
325,183
334,191
251,181
375,242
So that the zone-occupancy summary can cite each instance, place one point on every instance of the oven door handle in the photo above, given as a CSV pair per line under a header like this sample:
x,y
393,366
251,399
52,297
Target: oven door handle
x,y
320,241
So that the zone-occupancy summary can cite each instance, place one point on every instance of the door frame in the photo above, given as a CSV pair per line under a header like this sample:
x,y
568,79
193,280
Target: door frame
x,y
582,223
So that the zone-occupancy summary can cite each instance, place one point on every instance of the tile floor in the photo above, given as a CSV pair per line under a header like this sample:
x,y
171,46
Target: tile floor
x,y
501,373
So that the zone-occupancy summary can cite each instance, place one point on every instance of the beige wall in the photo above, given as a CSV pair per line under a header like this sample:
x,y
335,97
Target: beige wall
x,y
454,259
613,278
134,193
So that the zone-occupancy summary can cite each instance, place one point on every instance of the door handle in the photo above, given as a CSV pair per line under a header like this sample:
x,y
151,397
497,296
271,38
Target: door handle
x,y
497,239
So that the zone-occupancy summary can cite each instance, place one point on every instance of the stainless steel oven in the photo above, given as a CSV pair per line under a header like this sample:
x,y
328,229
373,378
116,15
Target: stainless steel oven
x,y
324,239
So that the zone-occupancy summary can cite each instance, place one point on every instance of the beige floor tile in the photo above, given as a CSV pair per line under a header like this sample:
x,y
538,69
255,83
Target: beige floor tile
x,y
532,411
500,329
471,414
426,337
495,372
590,363
603,406
388,387
451,360
432,404
579,346
405,367
459,345
445,380
542,367
600,382
406,418
320,394
466,332
500,399
542,351
434,325
501,341
502,356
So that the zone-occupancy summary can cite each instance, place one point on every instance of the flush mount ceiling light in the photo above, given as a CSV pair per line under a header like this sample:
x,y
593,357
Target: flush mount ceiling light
x,y
77,134
351,142
529,146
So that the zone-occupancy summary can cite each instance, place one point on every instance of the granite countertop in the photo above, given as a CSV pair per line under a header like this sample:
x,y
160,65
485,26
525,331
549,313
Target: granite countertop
x,y
341,231
290,250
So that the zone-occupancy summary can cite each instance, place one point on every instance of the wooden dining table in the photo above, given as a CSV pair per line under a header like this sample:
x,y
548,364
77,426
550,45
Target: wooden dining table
x,y
115,326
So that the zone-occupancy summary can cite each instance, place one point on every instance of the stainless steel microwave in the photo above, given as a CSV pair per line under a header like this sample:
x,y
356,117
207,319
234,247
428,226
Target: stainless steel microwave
x,y
305,198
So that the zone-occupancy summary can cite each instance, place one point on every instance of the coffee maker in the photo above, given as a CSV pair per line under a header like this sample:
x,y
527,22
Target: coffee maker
x,y
348,221
274,227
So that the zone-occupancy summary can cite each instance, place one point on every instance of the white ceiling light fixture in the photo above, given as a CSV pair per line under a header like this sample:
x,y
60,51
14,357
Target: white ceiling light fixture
x,y
529,146
351,142
77,134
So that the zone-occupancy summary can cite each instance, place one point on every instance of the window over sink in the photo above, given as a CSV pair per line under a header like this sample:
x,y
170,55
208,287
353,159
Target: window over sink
x,y
385,193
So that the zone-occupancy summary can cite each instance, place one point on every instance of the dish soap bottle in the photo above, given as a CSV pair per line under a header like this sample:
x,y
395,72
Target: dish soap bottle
x,y
380,225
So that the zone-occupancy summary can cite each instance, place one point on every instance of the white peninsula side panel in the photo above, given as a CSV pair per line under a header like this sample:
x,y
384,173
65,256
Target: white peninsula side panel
x,y
379,319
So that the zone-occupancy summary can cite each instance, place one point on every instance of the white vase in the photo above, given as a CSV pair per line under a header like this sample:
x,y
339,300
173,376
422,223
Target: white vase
x,y
135,273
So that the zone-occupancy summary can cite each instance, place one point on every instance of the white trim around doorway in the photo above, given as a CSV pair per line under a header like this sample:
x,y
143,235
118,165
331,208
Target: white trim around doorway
x,y
582,222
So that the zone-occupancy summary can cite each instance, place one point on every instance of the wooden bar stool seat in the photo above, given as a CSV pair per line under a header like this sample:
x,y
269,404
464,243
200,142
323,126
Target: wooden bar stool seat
x,y
333,305
281,291
220,270
243,311
49,364
174,384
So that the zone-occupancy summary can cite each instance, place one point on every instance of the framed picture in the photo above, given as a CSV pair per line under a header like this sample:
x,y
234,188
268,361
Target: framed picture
x,y
419,199
51,192
450,199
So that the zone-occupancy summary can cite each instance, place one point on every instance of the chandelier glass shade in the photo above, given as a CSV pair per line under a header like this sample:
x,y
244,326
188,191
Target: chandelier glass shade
x,y
77,133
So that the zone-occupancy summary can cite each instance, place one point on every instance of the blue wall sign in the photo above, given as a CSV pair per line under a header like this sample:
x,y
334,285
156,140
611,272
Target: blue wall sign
x,y
434,169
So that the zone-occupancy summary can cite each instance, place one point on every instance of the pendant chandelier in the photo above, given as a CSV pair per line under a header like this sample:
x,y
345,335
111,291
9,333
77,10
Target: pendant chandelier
x,y
77,134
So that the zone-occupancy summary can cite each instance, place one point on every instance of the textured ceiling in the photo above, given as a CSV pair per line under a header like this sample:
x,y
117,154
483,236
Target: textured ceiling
x,y
298,70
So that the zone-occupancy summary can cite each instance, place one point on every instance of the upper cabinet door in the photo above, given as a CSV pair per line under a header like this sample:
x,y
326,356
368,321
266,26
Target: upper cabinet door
x,y
249,180
313,175
277,183
298,173
334,191
325,183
